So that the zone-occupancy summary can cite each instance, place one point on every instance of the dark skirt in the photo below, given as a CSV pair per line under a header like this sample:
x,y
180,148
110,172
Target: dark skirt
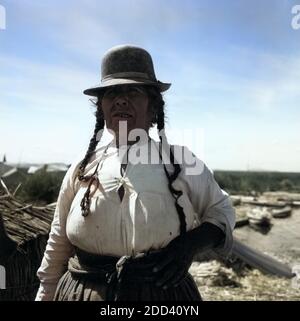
x,y
89,278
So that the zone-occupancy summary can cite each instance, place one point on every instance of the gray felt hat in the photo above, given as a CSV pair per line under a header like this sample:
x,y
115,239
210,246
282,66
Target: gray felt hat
x,y
126,64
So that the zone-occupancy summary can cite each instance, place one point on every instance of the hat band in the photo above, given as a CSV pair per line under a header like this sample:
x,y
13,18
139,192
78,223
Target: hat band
x,y
127,75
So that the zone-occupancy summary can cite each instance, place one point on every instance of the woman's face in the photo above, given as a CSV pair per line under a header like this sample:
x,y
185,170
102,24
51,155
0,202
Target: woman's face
x,y
127,103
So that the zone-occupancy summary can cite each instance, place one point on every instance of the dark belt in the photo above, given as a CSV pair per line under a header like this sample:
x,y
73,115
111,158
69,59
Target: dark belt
x,y
115,271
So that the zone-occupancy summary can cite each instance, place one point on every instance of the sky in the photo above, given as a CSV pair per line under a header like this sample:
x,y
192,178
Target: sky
x,y
234,68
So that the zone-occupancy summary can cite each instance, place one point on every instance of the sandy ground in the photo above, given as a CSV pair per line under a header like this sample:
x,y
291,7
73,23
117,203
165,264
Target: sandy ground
x,y
217,282
223,284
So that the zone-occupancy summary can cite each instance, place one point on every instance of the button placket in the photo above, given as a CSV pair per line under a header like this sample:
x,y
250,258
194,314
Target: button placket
x,y
133,198
120,187
121,181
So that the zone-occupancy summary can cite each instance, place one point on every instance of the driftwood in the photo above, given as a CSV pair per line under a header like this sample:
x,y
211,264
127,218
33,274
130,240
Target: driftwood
x,y
260,261
265,203
243,255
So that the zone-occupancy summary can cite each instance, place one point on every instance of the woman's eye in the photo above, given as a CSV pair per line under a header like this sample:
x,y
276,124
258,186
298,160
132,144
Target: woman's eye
x,y
133,92
110,94
136,92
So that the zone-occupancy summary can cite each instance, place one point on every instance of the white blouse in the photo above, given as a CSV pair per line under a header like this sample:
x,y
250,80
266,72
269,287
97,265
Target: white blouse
x,y
145,218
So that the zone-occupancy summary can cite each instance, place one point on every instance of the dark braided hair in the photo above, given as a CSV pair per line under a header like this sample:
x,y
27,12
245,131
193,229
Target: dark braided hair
x,y
158,117
93,143
160,120
98,131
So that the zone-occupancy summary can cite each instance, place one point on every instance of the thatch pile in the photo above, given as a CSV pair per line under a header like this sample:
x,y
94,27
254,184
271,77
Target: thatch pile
x,y
23,222
24,232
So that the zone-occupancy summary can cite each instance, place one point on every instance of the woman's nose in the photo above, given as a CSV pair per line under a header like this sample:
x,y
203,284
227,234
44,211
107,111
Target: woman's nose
x,y
121,101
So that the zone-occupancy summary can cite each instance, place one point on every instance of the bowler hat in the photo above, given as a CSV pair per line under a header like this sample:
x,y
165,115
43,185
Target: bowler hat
x,y
126,64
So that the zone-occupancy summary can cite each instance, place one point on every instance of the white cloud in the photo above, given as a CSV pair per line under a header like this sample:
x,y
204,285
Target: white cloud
x,y
251,79
43,110
89,29
55,88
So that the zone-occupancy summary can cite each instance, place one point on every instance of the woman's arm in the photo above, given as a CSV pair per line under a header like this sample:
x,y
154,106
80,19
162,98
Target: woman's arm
x,y
59,248
179,253
216,220
216,208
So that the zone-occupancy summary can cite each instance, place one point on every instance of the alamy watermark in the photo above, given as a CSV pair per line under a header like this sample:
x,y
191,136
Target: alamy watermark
x,y
2,278
296,19
2,18
152,153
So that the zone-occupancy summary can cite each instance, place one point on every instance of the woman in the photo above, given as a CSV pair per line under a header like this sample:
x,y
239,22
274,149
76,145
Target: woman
x,y
126,229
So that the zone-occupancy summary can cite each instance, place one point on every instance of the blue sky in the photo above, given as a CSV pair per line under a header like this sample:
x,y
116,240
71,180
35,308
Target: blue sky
x,y
234,68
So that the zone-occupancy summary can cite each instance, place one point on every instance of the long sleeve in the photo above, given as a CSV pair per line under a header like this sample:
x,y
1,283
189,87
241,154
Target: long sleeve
x,y
59,248
219,211
211,203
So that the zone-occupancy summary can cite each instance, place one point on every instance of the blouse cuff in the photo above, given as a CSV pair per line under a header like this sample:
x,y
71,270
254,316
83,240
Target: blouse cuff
x,y
225,248
46,292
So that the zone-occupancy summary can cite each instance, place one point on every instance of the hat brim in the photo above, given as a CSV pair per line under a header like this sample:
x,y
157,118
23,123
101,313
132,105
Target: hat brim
x,y
95,91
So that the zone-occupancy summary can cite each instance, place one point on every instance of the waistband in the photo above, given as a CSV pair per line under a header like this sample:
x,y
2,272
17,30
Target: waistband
x,y
115,271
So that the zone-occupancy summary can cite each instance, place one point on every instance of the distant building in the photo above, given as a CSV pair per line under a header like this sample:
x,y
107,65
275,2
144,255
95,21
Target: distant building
x,y
14,174
54,167
4,168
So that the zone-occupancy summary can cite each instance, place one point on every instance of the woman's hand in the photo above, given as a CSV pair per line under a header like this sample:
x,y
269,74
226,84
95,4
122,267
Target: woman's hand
x,y
178,255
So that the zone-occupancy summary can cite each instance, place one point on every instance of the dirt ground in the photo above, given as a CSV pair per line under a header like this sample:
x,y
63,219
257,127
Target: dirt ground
x,y
217,282
223,284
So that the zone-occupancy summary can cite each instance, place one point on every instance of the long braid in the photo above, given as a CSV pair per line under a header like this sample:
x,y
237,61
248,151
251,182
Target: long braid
x,y
93,144
98,132
160,119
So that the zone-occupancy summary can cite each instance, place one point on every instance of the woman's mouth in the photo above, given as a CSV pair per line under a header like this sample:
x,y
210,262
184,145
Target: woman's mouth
x,y
122,115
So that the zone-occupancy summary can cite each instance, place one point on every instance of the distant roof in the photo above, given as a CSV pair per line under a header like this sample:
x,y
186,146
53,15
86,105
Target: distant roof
x,y
5,168
55,167
32,168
